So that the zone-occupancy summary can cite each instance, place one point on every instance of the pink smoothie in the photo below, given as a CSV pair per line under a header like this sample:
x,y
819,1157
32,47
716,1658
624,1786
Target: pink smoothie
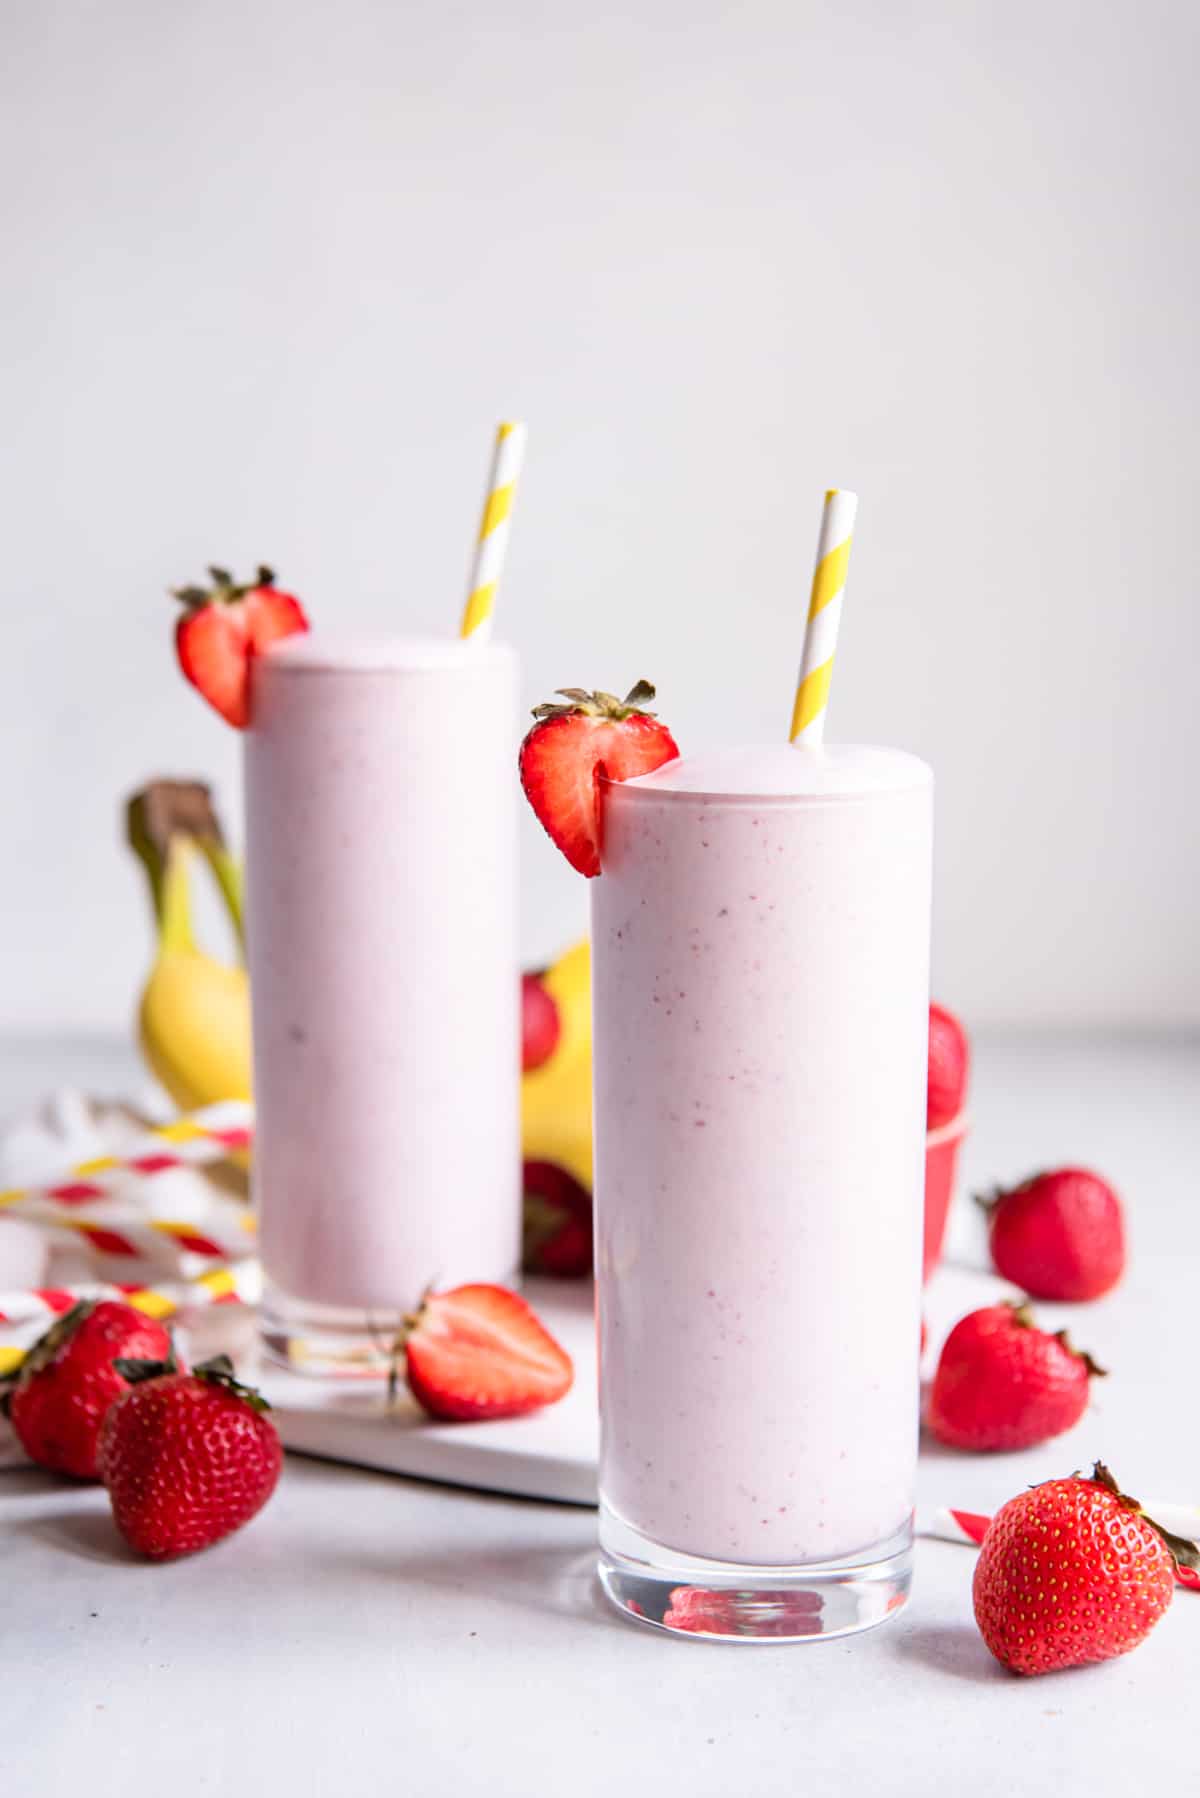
x,y
381,867
761,942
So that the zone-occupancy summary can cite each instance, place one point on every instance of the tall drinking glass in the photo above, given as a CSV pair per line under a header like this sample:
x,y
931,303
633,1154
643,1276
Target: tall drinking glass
x,y
381,917
761,943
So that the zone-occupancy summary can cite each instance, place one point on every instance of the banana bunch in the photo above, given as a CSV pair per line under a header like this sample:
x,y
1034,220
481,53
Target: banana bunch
x,y
194,1013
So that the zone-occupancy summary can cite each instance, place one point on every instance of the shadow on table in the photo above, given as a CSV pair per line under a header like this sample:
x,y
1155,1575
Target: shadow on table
x,y
553,1581
954,1648
66,1513
554,1578
90,1534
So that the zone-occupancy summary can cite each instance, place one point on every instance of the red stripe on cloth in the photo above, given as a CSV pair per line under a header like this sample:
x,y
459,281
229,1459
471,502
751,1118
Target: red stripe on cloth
x,y
55,1298
107,1241
233,1139
198,1245
972,1524
76,1192
154,1164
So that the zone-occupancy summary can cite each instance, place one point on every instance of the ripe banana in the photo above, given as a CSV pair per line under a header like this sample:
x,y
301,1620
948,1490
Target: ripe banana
x,y
194,1014
556,1098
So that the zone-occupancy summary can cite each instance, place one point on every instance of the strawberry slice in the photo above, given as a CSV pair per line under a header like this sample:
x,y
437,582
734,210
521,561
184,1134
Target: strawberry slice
x,y
223,626
479,1351
569,750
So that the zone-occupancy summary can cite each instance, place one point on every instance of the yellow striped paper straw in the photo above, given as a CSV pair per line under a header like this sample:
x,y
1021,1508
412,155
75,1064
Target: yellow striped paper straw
x,y
824,617
487,565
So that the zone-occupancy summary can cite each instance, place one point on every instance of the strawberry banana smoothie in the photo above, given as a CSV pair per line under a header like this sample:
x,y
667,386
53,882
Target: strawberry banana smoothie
x,y
761,943
381,869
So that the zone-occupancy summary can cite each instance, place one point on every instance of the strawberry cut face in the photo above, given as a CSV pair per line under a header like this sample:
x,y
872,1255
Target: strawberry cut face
x,y
573,748
479,1351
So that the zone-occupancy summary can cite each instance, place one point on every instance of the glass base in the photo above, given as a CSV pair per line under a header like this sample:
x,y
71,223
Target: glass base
x,y
327,1341
729,1602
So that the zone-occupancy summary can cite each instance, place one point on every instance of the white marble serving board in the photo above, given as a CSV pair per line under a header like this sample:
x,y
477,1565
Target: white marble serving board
x,y
549,1454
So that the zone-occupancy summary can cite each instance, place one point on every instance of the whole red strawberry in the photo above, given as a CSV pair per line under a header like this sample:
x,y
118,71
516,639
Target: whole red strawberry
x,y
541,1025
1001,1383
1072,1572
557,1222
187,1458
480,1351
223,627
62,1389
572,747
1059,1235
949,1066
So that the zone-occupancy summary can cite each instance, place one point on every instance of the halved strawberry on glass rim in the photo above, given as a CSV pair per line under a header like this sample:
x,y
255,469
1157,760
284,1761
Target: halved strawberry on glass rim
x,y
223,627
572,747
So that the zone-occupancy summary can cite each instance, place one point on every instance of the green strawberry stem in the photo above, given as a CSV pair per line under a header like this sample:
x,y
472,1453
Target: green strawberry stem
x,y
225,591
137,1368
408,1323
1022,1313
218,1371
1185,1552
600,704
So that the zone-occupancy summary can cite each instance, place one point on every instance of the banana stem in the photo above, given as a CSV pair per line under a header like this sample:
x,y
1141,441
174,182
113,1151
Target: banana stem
x,y
227,873
175,897
166,822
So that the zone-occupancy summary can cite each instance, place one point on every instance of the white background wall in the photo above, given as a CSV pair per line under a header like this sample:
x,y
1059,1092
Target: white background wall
x,y
274,267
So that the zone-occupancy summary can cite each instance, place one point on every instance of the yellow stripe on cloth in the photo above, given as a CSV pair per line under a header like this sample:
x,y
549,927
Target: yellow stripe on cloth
x,y
479,607
12,1197
183,1130
150,1303
829,577
496,509
811,697
218,1282
168,1227
10,1360
100,1165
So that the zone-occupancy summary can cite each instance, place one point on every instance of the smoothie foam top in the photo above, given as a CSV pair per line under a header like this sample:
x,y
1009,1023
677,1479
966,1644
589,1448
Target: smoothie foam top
x,y
783,771
325,653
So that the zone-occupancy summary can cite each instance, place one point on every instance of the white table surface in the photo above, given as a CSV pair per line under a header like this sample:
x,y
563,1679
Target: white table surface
x,y
375,1634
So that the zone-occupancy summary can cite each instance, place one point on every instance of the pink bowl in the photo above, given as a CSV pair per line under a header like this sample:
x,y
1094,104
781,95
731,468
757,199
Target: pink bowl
x,y
941,1166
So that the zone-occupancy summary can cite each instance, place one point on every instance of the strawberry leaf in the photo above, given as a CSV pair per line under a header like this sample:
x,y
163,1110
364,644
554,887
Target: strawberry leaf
x,y
136,1369
219,1372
